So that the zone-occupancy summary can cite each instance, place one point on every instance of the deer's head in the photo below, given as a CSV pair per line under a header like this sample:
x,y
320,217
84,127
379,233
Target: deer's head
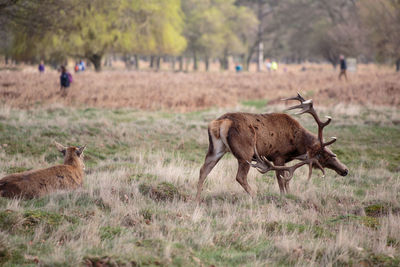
x,y
72,155
325,157
318,154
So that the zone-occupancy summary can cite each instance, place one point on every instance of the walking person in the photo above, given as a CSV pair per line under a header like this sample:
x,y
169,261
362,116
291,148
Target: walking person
x,y
65,81
343,67
268,65
41,67
274,65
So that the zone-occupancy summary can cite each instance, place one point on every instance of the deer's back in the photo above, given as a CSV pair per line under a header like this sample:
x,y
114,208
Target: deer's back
x,y
270,124
41,182
278,134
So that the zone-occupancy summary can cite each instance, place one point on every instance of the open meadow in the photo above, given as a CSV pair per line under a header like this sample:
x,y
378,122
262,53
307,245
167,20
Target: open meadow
x,y
146,137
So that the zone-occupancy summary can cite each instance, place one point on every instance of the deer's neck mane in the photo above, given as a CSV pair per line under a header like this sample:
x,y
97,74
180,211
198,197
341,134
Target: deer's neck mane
x,y
310,140
73,161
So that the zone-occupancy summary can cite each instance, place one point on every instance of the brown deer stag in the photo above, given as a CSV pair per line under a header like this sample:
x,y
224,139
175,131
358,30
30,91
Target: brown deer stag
x,y
271,140
38,183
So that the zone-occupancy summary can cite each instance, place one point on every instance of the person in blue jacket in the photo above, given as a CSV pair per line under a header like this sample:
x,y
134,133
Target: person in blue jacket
x,y
41,67
343,67
64,81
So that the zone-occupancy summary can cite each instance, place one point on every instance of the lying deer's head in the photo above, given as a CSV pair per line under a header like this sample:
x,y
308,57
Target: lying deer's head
x,y
72,155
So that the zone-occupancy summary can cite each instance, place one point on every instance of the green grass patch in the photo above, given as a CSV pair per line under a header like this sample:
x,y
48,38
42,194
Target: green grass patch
x,y
257,103
110,232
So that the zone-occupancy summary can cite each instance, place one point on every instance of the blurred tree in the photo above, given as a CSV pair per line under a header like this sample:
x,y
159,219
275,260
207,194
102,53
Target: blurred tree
x,y
25,23
151,28
382,20
294,30
236,34
265,11
215,28
94,30
91,28
203,24
337,30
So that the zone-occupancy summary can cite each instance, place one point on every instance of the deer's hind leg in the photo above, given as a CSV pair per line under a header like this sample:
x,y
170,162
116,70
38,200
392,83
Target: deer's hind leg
x,y
216,151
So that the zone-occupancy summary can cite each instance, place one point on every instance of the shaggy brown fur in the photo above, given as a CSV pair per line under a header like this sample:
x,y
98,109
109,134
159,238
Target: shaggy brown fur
x,y
38,183
280,138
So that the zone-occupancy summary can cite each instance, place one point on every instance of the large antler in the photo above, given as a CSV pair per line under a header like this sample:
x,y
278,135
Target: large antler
x,y
263,165
306,106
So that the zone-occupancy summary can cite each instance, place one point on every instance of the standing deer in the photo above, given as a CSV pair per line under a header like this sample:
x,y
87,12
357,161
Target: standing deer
x,y
38,183
271,140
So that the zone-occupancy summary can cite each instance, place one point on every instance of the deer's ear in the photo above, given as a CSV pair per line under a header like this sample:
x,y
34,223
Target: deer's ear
x,y
80,150
60,147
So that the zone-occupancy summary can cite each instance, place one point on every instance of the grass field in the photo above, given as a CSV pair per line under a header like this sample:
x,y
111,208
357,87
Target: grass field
x,y
136,206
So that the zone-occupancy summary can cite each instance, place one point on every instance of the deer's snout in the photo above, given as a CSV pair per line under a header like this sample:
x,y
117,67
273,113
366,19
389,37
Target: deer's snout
x,y
345,172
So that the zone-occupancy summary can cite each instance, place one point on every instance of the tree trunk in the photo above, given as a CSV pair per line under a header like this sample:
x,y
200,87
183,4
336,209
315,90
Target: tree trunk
x,y
158,63
260,55
136,62
207,62
249,56
226,61
260,50
398,65
6,59
173,63
151,62
186,64
195,65
96,60
180,59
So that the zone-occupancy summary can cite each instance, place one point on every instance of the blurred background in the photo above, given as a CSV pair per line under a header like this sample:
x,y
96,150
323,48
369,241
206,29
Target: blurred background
x,y
199,34
138,81
195,54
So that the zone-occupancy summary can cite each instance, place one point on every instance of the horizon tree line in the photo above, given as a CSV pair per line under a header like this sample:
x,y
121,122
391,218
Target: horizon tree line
x,y
202,30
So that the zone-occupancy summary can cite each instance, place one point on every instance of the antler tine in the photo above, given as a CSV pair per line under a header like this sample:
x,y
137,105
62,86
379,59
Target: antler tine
x,y
263,165
330,142
306,106
298,97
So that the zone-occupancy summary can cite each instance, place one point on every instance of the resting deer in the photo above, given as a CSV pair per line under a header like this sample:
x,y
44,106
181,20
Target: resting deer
x,y
38,183
271,140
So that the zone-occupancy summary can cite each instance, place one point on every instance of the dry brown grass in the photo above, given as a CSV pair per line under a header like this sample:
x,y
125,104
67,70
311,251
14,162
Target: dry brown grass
x,y
111,221
371,85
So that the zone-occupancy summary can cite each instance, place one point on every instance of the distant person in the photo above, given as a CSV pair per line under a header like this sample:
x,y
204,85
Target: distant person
x,y
268,65
65,80
76,67
41,67
274,66
81,66
343,67
238,68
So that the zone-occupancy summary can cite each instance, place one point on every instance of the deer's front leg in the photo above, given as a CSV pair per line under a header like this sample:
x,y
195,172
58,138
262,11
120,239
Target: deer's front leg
x,y
283,185
241,176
